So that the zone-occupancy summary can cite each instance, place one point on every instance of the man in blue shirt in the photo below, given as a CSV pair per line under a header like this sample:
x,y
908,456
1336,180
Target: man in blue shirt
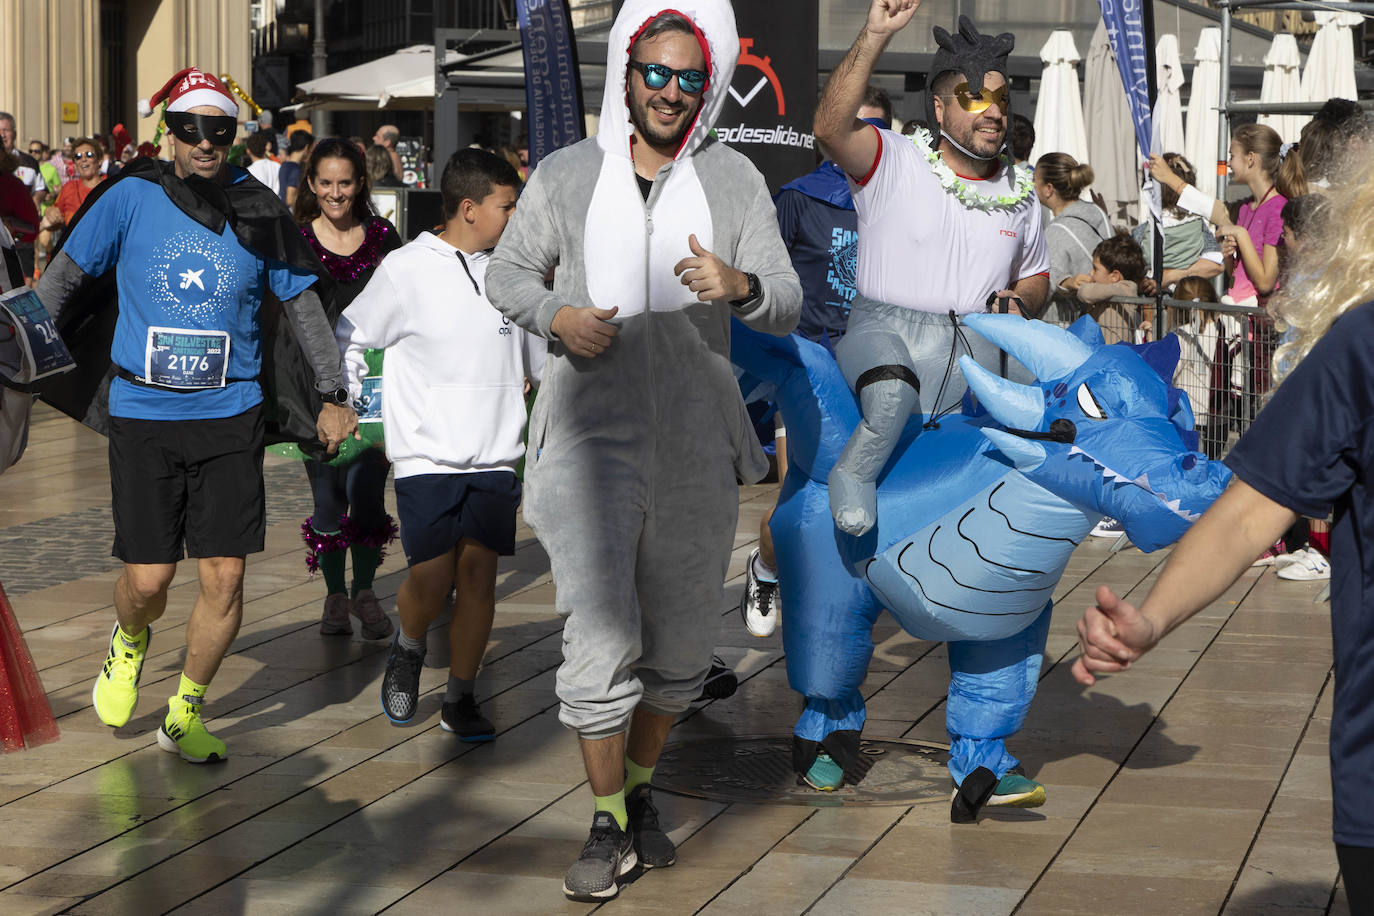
x,y
186,411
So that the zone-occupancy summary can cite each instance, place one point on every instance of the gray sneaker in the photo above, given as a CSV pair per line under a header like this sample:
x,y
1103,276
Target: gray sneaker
x,y
376,625
334,620
608,855
652,845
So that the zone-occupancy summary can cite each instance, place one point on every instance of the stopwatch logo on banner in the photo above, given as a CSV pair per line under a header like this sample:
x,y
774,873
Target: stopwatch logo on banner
x,y
765,66
760,70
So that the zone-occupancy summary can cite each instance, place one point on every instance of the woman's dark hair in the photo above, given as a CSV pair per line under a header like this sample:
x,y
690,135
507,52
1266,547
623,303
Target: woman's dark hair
x,y
1305,215
1065,174
1122,253
307,205
378,161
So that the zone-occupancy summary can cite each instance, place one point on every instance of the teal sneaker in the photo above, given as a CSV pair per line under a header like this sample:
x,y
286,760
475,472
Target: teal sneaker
x,y
825,774
1014,790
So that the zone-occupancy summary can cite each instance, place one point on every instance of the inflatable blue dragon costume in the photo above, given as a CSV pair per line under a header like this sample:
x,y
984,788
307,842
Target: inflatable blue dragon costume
x,y
977,518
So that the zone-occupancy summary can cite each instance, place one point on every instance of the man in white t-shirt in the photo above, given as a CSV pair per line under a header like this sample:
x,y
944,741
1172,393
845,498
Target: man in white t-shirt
x,y
947,226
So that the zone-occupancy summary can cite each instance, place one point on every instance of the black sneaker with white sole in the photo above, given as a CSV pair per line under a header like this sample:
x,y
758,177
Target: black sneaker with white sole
x,y
465,720
401,683
652,845
720,682
608,855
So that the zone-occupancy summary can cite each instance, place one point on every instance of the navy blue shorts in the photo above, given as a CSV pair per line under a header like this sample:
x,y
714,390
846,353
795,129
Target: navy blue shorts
x,y
439,510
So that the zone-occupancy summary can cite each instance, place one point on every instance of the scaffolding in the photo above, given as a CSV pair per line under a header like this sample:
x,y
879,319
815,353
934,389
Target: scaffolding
x,y
1226,105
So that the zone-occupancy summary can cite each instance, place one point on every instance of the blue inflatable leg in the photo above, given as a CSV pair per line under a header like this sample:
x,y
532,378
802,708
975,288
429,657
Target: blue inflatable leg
x,y
991,686
828,618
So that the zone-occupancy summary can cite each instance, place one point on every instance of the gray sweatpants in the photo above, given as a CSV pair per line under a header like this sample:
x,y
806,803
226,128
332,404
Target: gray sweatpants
x,y
639,557
879,334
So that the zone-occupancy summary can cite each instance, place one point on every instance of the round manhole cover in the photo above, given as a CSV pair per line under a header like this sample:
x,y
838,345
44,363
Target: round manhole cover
x,y
758,769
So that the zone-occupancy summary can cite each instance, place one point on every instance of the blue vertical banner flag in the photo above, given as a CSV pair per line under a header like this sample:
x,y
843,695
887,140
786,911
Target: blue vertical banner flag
x,y
1126,30
553,84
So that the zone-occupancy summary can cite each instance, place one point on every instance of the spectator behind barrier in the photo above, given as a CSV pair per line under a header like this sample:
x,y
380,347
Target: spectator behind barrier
x,y
1118,270
1190,247
1076,229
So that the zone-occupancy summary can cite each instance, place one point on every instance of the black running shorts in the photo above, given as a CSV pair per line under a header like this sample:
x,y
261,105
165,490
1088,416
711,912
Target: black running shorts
x,y
439,510
196,483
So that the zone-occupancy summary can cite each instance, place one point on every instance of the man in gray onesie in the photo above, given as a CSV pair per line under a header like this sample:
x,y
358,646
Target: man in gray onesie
x,y
660,234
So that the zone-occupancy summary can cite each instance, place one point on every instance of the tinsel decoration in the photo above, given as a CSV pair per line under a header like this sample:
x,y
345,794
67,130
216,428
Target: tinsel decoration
x,y
378,537
317,543
235,88
349,534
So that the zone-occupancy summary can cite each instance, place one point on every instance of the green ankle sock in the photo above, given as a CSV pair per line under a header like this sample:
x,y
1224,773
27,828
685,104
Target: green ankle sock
x,y
615,804
365,562
636,775
332,568
189,693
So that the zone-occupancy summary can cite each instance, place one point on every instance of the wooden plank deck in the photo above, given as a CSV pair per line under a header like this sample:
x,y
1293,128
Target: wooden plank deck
x,y
1197,783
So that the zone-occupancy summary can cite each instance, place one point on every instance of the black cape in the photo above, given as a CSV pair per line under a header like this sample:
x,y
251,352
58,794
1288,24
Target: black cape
x,y
263,225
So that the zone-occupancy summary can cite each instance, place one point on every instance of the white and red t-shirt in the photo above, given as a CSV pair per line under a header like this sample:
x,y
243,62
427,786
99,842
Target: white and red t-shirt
x,y
921,248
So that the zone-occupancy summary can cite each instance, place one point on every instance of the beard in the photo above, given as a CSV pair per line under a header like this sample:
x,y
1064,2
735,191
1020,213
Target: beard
x,y
971,139
656,134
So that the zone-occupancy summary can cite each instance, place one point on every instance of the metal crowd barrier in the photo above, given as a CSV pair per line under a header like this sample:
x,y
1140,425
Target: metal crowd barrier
x,y
1225,364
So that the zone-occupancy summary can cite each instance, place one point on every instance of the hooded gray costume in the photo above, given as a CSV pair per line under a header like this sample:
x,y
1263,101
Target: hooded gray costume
x,y
890,351
633,456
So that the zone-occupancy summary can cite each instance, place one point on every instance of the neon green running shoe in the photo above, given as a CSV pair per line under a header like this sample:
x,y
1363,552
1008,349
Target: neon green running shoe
x,y
1014,790
183,733
115,693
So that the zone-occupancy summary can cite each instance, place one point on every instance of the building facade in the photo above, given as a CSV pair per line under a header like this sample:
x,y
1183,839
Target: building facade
x,y
73,68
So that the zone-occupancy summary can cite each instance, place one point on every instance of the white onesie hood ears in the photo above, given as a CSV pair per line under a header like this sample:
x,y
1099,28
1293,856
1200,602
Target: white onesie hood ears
x,y
715,24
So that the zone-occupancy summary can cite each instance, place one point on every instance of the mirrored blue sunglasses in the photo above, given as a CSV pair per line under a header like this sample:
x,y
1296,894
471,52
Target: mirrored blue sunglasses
x,y
656,76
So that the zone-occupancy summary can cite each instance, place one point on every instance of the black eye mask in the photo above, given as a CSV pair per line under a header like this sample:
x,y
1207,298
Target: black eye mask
x,y
192,128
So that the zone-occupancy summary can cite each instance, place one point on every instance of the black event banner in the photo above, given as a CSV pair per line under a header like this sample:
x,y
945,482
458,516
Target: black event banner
x,y
773,95
553,85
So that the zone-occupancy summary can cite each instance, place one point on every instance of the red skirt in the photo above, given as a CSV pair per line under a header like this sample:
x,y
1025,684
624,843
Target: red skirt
x,y
26,719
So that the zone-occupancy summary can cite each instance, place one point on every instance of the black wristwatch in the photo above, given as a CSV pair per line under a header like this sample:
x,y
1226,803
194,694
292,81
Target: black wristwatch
x,y
337,396
755,291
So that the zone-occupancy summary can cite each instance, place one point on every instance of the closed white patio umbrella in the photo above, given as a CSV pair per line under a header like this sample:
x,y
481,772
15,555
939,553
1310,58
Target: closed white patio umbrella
x,y
1330,71
1283,83
1111,143
1059,110
1200,131
1167,119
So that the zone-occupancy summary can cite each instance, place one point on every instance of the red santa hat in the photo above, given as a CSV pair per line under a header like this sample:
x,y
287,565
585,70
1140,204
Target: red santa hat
x,y
188,89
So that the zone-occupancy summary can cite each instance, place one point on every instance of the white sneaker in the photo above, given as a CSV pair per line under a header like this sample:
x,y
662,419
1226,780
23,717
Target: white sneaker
x,y
761,603
1108,528
1307,566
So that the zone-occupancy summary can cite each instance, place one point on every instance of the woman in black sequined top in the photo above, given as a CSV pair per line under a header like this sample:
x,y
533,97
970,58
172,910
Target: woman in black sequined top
x,y
334,210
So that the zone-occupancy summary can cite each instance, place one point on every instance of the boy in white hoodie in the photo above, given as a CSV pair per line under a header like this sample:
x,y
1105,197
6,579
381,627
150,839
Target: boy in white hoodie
x,y
454,414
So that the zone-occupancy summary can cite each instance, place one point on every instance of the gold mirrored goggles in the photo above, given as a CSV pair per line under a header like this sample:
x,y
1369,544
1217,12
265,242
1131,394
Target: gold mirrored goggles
x,y
984,100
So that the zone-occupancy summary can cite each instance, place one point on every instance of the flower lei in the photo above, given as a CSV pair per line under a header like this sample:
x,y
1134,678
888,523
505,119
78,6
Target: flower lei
x,y
970,198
